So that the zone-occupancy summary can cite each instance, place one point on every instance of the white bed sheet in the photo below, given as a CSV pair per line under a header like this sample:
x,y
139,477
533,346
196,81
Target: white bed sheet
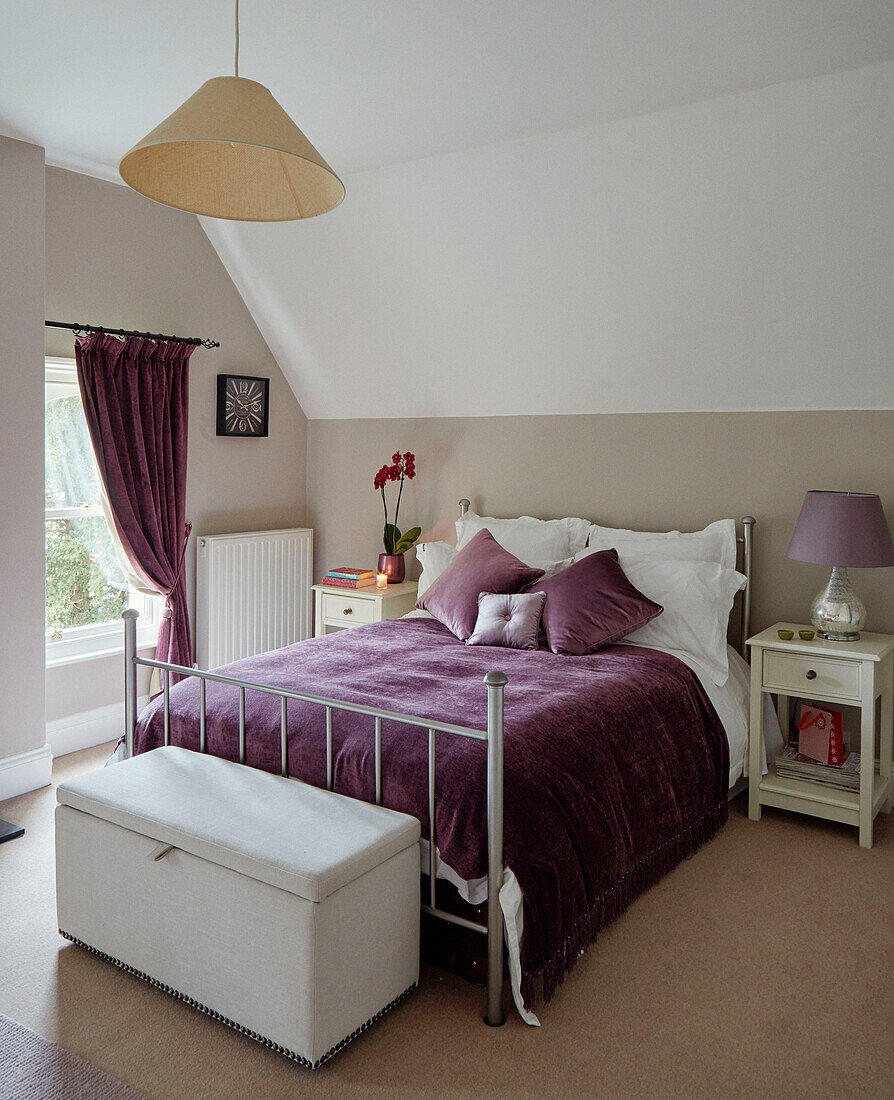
x,y
732,705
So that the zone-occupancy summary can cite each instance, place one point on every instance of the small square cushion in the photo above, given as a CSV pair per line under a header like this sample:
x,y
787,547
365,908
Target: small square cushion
x,y
511,620
481,566
592,604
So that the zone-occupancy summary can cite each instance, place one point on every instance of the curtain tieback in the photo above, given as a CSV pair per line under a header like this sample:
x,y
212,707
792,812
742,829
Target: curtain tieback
x,y
168,611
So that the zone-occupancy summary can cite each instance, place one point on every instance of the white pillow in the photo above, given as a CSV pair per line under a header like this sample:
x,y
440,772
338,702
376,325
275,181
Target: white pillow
x,y
529,539
716,543
697,597
434,557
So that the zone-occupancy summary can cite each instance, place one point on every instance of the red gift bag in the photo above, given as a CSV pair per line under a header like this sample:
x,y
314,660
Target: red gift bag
x,y
821,735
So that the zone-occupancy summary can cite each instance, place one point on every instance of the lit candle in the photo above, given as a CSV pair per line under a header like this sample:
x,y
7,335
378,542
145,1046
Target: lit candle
x,y
381,580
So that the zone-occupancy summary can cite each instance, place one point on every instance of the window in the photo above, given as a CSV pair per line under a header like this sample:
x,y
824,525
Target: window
x,y
86,589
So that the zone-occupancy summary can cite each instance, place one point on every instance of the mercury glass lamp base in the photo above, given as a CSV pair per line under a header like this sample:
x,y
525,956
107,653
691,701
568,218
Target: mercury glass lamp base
x,y
837,613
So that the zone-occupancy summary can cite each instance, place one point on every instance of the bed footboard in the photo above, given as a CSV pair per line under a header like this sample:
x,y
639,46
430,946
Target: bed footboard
x,y
495,683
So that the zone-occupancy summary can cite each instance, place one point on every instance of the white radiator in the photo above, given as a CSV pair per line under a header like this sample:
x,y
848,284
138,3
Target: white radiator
x,y
252,593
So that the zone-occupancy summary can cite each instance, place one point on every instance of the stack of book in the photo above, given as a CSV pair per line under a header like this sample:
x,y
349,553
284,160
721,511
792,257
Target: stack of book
x,y
346,576
843,777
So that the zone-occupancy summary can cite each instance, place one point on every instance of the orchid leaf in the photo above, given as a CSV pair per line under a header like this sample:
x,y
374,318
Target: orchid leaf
x,y
407,539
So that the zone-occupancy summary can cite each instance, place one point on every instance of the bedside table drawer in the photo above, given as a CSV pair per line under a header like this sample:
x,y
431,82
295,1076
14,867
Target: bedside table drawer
x,y
348,609
807,675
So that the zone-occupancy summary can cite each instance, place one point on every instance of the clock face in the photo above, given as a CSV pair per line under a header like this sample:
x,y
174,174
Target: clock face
x,y
242,405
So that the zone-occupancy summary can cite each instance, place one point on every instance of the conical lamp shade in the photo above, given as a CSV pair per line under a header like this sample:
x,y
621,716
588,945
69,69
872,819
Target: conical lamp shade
x,y
232,152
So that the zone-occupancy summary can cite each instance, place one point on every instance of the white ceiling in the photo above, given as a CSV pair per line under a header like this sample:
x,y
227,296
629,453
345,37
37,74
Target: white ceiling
x,y
377,82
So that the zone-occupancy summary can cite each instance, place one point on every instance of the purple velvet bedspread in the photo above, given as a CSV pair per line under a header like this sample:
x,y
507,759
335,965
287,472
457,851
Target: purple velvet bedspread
x,y
616,763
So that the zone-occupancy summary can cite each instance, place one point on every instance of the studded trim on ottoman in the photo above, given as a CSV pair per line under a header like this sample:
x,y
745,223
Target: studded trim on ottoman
x,y
232,1023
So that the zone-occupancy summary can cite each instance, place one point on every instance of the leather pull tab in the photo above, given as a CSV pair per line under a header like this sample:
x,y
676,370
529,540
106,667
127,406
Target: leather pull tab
x,y
160,851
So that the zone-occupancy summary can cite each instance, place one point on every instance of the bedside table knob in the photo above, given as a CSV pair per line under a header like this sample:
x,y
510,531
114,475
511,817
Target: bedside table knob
x,y
350,611
810,674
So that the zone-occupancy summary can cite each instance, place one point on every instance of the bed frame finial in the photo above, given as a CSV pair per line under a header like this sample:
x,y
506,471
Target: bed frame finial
x,y
464,506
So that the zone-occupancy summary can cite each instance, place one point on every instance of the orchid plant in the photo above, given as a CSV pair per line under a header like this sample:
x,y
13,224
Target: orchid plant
x,y
402,466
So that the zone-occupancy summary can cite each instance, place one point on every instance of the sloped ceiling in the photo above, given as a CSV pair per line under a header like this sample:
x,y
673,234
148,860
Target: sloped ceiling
x,y
535,219
730,255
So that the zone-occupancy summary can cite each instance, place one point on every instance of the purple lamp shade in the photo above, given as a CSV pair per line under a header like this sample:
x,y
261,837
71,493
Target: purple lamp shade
x,y
844,529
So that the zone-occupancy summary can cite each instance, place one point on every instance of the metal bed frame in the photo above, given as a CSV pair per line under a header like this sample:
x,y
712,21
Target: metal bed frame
x,y
495,683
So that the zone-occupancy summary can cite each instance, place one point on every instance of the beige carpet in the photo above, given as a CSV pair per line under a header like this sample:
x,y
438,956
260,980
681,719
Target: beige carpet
x,y
762,967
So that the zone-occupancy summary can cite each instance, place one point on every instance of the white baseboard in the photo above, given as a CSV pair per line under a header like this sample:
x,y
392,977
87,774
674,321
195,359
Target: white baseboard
x,y
25,772
88,728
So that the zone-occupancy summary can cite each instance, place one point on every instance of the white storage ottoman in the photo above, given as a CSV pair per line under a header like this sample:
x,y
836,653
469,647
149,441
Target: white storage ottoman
x,y
288,912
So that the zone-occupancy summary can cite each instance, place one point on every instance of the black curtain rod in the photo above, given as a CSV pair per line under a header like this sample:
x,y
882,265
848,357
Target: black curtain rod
x,y
80,330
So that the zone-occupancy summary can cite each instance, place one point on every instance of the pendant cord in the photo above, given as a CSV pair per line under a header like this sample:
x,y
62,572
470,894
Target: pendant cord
x,y
237,37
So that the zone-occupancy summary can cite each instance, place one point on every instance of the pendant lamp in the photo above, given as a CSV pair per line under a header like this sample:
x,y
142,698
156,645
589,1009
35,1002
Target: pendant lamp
x,y
231,151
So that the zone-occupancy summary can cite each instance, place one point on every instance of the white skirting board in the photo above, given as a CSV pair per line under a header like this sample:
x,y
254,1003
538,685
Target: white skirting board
x,y
88,728
25,772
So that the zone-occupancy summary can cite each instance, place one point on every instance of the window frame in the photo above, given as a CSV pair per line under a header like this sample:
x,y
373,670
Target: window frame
x,y
81,643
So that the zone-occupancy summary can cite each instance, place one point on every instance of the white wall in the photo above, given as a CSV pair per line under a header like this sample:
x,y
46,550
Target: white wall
x,y
24,758
731,254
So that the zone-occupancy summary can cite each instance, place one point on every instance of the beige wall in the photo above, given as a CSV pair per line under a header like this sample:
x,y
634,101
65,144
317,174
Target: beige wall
x,y
116,258
21,447
645,470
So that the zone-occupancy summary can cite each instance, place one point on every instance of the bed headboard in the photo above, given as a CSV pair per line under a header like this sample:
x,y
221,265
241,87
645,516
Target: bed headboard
x,y
746,541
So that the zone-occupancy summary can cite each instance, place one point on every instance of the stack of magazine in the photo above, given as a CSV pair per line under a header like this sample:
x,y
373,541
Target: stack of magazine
x,y
844,777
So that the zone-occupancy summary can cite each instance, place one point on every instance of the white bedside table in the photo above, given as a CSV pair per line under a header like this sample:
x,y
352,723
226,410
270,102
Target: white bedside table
x,y
855,673
336,608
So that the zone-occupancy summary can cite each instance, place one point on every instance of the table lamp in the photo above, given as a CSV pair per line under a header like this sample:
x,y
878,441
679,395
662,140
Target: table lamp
x,y
842,530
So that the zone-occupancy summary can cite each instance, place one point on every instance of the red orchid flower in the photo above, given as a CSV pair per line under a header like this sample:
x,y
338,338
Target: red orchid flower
x,y
402,467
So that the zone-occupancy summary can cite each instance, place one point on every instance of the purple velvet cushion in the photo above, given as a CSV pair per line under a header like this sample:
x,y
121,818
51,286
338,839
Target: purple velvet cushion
x,y
509,619
592,604
481,566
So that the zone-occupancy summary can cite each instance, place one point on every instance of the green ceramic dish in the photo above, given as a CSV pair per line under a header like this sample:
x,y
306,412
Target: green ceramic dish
x,y
806,635
786,635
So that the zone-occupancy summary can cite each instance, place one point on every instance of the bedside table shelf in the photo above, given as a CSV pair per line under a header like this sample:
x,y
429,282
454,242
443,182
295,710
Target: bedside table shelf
x,y
337,608
858,674
779,790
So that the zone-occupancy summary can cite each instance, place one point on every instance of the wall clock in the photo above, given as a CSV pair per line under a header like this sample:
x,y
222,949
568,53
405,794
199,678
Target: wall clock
x,y
243,405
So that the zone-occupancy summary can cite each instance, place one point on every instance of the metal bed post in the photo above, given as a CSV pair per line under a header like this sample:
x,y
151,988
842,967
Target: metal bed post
x,y
496,682
748,523
130,616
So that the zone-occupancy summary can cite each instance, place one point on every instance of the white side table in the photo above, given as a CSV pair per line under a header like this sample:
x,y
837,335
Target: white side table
x,y
336,608
855,673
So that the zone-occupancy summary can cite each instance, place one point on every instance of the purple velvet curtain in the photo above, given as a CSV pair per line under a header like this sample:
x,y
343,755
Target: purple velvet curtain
x,y
135,394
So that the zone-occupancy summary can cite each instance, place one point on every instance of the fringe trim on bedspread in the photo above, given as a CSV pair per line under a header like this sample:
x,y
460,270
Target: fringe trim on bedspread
x,y
642,876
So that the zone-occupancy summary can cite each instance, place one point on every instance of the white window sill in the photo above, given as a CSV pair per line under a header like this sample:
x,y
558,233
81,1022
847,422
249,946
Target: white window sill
x,y
93,649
